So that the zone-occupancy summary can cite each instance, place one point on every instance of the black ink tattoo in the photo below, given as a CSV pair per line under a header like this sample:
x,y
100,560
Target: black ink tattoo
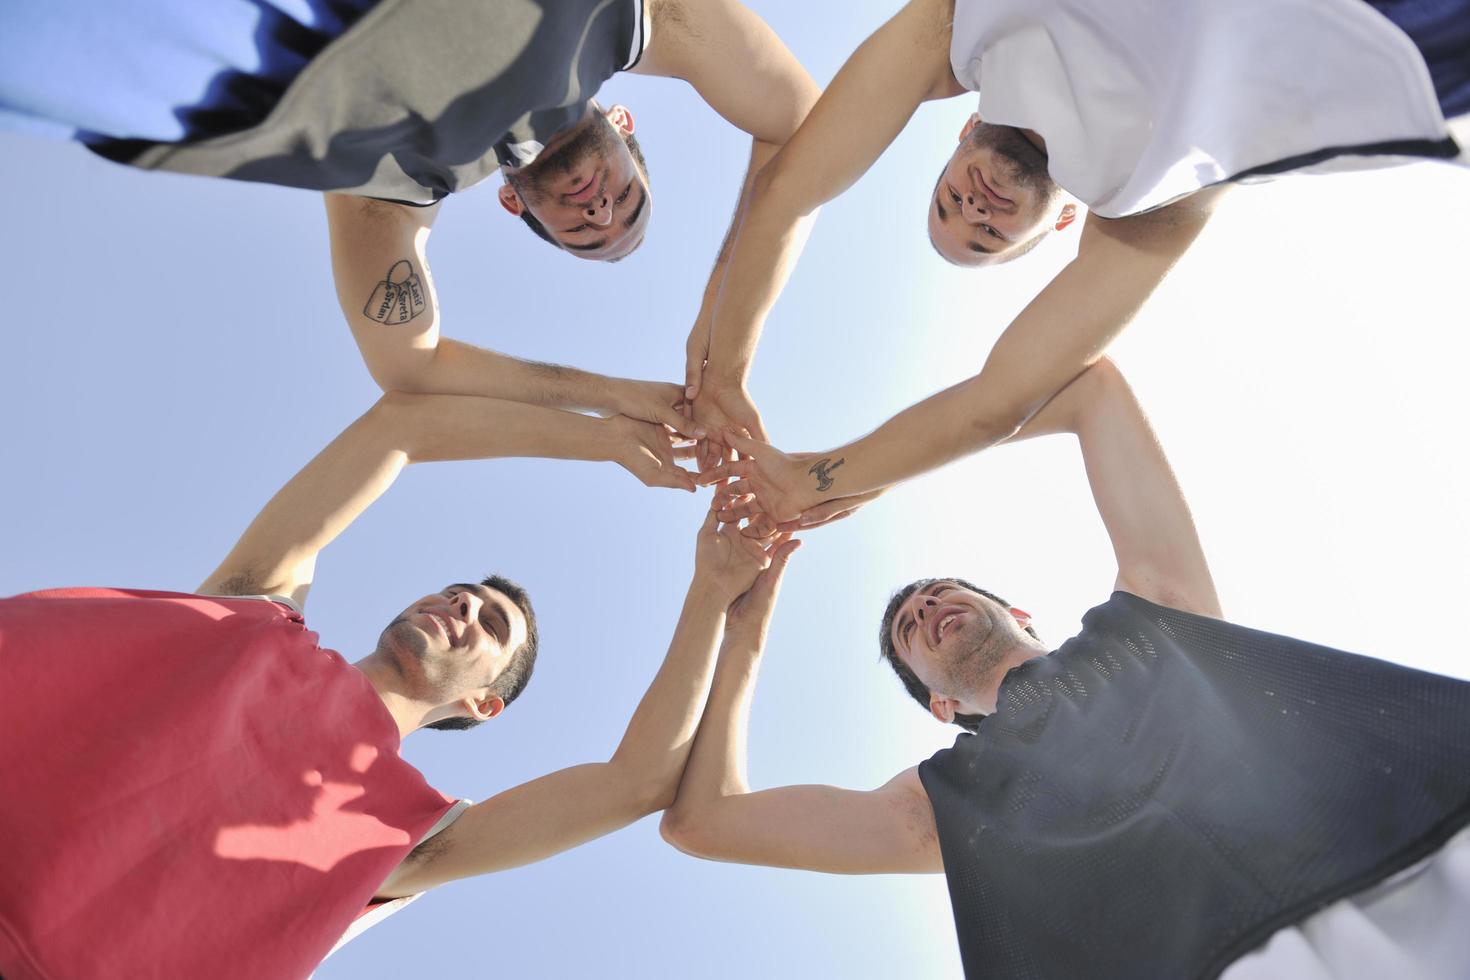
x,y
822,470
399,297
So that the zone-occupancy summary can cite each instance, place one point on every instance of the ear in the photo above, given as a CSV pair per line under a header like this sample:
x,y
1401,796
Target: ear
x,y
942,708
510,200
970,124
1022,617
483,708
1066,216
621,119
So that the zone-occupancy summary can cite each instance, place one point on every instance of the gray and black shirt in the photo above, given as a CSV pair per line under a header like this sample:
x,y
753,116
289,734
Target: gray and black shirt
x,y
417,100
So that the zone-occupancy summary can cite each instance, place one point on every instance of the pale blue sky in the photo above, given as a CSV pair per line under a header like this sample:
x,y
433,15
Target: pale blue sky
x,y
174,352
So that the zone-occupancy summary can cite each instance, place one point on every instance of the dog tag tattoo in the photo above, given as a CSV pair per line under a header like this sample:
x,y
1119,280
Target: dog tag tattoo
x,y
399,297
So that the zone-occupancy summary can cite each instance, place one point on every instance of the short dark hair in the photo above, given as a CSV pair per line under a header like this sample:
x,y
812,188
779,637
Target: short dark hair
x,y
916,688
511,681
540,229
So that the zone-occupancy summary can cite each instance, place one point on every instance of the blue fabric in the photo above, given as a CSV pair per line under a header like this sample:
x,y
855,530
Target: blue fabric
x,y
1441,31
162,70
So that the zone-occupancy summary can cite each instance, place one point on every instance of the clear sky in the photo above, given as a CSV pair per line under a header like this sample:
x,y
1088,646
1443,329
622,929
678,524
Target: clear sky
x,y
173,352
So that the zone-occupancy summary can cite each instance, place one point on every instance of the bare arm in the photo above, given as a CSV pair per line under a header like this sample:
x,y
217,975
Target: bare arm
x,y
867,104
277,553
386,291
818,828
1138,497
744,72
567,808
1066,328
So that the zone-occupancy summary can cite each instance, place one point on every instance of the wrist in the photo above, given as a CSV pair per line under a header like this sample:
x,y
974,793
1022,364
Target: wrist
x,y
610,442
729,373
711,590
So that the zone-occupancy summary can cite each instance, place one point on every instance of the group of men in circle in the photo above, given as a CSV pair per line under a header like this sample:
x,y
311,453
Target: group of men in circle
x,y
1163,766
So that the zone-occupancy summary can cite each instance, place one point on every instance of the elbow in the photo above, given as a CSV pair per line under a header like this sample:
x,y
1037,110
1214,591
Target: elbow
x,y
402,371
680,832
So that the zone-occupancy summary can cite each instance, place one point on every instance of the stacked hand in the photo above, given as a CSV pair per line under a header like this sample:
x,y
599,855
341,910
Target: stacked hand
x,y
776,491
716,404
730,562
649,451
654,401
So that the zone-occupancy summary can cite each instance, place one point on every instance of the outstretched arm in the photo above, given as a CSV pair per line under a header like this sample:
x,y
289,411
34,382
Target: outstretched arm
x,y
1065,329
818,828
559,811
277,553
864,108
387,294
744,72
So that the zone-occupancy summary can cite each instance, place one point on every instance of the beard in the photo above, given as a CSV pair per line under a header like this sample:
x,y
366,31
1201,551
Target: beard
x,y
978,650
1021,163
428,674
596,139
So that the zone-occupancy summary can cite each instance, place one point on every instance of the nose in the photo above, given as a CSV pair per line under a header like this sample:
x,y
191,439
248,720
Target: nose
x,y
466,605
976,208
924,606
598,211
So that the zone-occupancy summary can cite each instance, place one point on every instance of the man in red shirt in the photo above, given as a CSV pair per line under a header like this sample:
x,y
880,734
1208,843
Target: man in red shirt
x,y
232,798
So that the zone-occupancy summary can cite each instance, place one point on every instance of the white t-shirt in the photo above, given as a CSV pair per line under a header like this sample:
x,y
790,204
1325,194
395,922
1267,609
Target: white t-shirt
x,y
1142,102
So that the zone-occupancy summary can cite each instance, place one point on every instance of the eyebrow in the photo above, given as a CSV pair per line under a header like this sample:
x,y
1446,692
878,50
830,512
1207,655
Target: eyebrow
x,y
637,210
489,601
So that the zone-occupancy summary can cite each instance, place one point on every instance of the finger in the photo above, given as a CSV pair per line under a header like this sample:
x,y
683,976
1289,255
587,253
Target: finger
x,y
674,479
711,453
711,521
760,526
685,427
821,513
691,451
841,515
739,488
724,471
693,372
780,557
742,444
738,510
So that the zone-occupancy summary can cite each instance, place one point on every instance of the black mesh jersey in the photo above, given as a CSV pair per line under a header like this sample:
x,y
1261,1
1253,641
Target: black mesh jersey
x,y
1164,791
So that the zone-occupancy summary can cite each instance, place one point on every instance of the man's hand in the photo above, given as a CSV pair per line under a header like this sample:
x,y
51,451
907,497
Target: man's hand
x,y
782,486
749,616
648,451
759,525
719,406
727,561
652,401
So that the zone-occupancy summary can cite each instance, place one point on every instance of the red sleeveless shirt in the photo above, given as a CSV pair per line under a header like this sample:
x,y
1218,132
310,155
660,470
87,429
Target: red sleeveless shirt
x,y
189,786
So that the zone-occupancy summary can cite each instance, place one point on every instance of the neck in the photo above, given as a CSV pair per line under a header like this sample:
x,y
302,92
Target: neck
x,y
1025,650
408,714
1034,138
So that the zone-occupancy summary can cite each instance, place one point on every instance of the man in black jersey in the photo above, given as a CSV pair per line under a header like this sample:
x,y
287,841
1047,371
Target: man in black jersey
x,y
1166,794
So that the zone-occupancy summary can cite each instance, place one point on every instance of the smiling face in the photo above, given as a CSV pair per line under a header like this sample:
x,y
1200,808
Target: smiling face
x,y
454,644
585,190
957,644
994,197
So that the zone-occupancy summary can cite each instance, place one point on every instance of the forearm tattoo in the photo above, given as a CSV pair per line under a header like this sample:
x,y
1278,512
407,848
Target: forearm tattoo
x,y
399,297
822,470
